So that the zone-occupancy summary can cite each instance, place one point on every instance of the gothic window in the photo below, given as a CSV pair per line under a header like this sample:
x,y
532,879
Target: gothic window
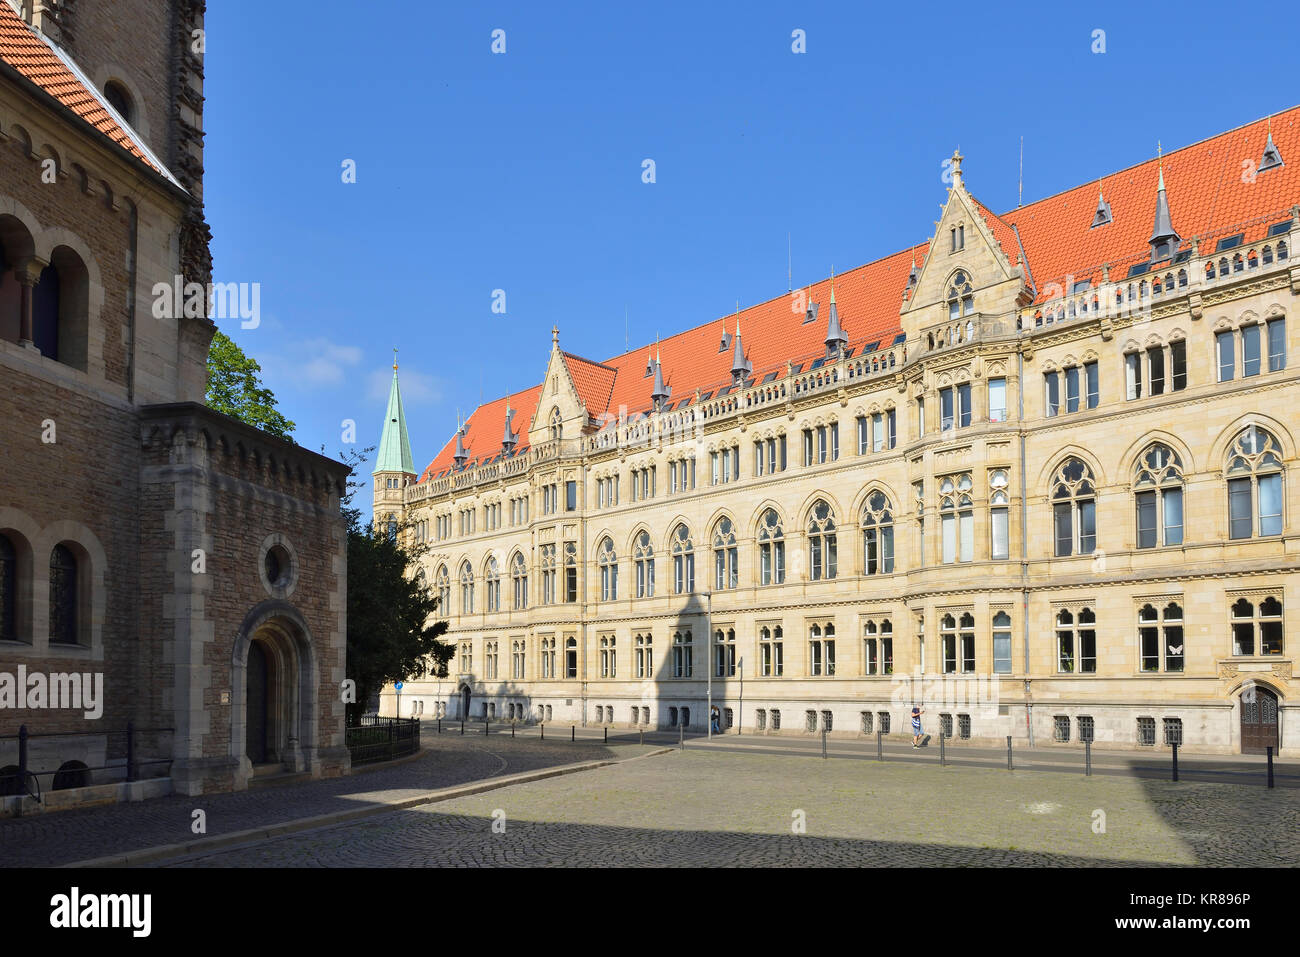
x,y
682,654
821,541
1254,485
771,649
608,562
877,535
725,553
1257,625
492,577
519,579
571,658
570,572
999,515
557,426
683,561
1158,490
643,559
1076,641
957,518
443,583
1074,509
466,589
1160,638
961,301
549,596
771,549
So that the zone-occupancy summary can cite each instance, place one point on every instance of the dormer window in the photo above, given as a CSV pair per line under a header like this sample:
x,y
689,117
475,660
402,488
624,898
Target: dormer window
x,y
961,301
958,238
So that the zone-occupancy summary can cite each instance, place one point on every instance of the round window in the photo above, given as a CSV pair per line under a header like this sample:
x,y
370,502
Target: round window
x,y
277,565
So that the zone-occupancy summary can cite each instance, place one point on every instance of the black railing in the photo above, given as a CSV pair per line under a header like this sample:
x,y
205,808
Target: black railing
x,y
20,779
382,739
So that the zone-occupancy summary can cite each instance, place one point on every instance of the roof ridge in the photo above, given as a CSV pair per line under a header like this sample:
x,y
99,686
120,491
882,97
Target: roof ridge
x,y
1133,166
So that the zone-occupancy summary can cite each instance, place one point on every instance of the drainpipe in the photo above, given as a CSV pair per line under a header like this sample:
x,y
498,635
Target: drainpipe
x,y
132,268
1024,542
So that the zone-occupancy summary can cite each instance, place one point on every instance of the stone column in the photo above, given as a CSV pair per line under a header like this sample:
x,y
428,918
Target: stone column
x,y
27,275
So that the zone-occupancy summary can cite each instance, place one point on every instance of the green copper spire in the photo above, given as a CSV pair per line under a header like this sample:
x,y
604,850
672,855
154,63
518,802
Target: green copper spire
x,y
395,445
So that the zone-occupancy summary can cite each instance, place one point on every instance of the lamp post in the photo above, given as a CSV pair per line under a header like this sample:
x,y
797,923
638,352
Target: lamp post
x,y
708,662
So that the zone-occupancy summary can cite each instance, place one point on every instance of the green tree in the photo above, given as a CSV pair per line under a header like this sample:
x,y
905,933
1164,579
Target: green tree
x,y
235,388
392,634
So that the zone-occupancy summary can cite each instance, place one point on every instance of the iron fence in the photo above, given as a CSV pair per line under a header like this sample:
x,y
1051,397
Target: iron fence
x,y
382,739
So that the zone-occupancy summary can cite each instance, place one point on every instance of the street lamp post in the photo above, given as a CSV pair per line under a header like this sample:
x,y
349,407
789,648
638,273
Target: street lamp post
x,y
708,663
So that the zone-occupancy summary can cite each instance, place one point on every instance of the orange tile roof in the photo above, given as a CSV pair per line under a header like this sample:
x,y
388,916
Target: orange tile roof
x,y
24,50
1208,197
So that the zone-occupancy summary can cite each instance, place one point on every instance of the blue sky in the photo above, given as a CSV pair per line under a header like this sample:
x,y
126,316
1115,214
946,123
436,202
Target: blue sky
x,y
522,171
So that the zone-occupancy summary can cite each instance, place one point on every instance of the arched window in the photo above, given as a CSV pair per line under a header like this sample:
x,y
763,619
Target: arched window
x,y
771,548
961,302
557,425
60,304
957,518
1254,485
63,596
390,526
8,590
120,100
643,557
877,535
683,658
1160,638
821,541
1158,490
724,555
466,589
1074,509
683,561
571,658
1250,621
607,559
519,580
999,515
570,571
442,582
493,579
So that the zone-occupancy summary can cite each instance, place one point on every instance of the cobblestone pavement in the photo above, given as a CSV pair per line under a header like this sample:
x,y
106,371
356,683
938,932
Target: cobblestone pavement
x,y
701,808
64,836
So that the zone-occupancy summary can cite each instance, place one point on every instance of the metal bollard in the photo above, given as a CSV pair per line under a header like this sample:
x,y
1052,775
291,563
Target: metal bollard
x,y
543,727
1010,766
485,728
641,732
681,737
823,742
462,725
1087,758
512,729
1174,745
440,725
1270,765
607,734
943,759
880,745
22,759
573,732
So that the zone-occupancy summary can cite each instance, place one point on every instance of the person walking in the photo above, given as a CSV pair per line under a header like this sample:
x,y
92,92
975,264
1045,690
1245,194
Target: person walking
x,y
916,726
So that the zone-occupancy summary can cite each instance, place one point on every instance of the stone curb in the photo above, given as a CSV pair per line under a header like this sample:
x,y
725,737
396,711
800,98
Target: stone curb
x,y
217,841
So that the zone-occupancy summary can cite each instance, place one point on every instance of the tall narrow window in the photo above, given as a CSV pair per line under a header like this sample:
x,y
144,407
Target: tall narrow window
x,y
1002,643
683,561
999,516
548,565
492,579
1226,355
570,572
63,596
725,553
1133,375
947,412
1178,365
997,400
771,549
1076,641
877,535
466,589
1250,350
1072,389
643,559
821,541
519,581
607,559
1052,394
1276,345
1158,490
8,590
1074,509
1156,369
1091,384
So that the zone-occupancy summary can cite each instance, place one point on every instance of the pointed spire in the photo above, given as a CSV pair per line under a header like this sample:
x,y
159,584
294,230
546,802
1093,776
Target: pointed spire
x,y
836,340
460,455
913,274
1102,216
740,366
811,315
660,392
509,439
1164,239
1271,158
395,442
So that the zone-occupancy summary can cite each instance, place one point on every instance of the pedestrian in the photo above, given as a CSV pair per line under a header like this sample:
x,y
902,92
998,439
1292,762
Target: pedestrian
x,y
916,726
715,716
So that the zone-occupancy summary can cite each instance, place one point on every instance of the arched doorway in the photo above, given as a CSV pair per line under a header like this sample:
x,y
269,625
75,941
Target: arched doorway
x,y
274,707
464,701
1258,720
255,710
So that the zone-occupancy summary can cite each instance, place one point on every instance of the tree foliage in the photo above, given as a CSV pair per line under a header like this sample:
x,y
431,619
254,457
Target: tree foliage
x,y
392,633
235,388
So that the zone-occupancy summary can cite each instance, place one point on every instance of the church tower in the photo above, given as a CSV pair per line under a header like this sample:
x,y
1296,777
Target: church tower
x,y
394,467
